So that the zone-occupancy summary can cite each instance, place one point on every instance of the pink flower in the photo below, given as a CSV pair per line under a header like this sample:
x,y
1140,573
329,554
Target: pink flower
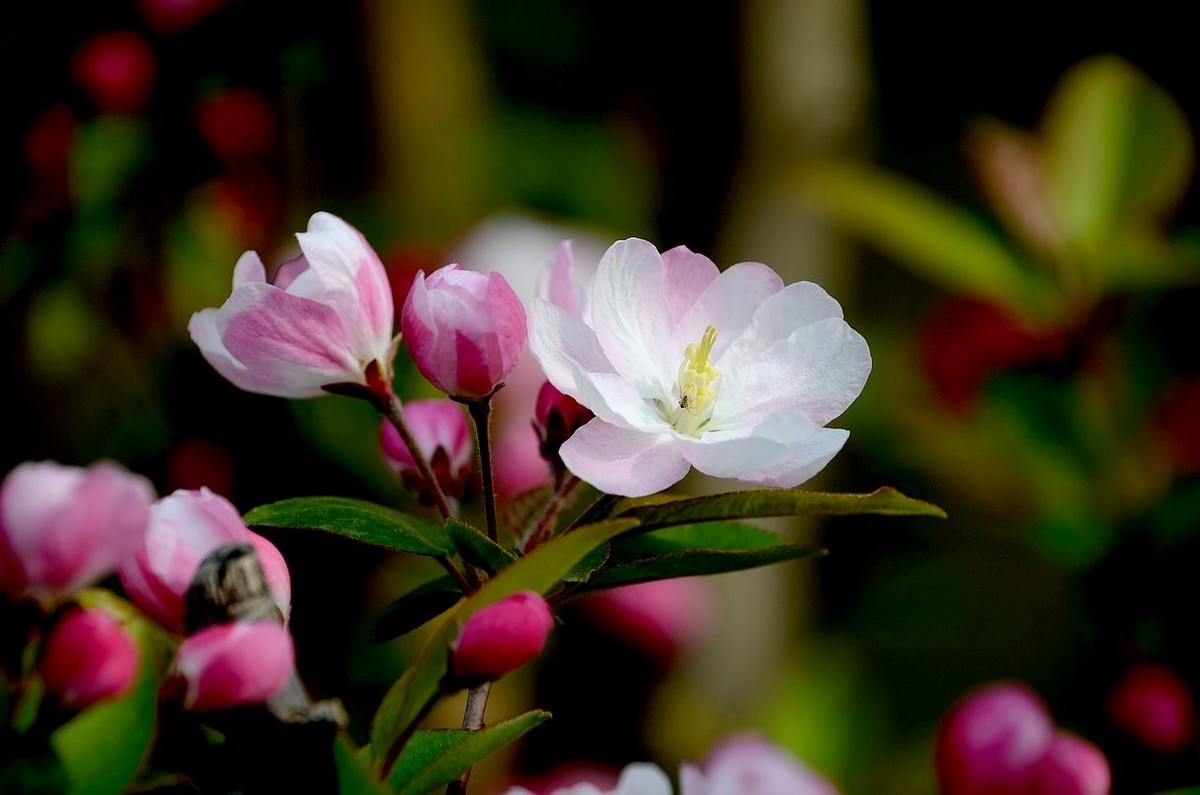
x,y
63,528
116,70
636,779
88,657
184,528
991,739
444,436
555,418
501,637
1071,766
465,330
732,373
1154,705
749,766
325,321
659,618
230,665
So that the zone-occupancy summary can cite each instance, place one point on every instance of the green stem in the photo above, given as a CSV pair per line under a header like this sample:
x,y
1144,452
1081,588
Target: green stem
x,y
563,493
477,700
481,413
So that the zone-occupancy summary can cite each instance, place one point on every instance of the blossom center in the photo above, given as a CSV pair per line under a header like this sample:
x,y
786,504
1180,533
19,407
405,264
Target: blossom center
x,y
696,388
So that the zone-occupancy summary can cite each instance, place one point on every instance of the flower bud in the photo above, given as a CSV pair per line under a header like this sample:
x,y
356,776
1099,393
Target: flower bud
x,y
1153,704
88,657
116,70
443,435
63,528
237,124
555,417
750,766
465,330
184,528
501,637
323,324
235,664
990,741
1071,766
661,618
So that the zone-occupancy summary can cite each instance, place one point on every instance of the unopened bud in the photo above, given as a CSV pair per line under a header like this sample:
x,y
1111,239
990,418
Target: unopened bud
x,y
235,664
443,435
1071,766
555,417
501,637
88,657
1153,704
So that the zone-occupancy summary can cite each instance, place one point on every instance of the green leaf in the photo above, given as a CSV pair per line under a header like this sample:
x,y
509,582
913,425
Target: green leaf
x,y
353,776
415,608
358,520
104,747
1118,148
665,511
688,550
584,570
435,758
541,571
933,237
476,548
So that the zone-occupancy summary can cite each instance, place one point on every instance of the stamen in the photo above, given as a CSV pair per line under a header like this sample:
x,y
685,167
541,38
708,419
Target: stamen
x,y
698,383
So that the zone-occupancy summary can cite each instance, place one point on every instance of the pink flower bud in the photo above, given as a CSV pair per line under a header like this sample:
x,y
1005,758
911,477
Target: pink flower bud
x,y
444,436
990,740
1071,766
116,70
750,766
230,665
659,618
63,527
237,124
88,657
1154,705
323,324
184,528
501,637
555,418
465,330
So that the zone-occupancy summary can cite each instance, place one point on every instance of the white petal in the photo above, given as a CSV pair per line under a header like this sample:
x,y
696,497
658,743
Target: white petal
x,y
820,368
729,454
793,307
687,275
613,399
805,459
643,779
629,314
559,341
249,270
729,303
622,461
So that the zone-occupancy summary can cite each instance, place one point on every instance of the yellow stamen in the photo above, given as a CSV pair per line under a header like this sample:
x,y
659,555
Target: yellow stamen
x,y
699,382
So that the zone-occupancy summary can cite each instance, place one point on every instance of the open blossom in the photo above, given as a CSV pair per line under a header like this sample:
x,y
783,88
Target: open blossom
x,y
732,373
325,320
184,529
750,766
62,528
636,779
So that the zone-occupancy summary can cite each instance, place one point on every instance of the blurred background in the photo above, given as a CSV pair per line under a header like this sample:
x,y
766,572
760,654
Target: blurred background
x,y
1000,195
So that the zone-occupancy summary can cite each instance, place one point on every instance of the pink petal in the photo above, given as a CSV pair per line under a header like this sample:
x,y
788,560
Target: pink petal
x,y
624,462
687,275
249,270
229,665
557,284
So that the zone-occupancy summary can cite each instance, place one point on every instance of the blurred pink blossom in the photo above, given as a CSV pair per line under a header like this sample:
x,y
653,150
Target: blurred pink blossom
x,y
184,529
750,766
1154,705
1071,766
324,322
237,124
116,70
63,528
636,779
230,665
443,434
88,657
465,330
660,618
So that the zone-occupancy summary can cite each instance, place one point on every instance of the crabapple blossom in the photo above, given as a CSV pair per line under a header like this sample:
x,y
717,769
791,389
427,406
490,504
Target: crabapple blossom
x,y
1153,704
443,436
750,766
501,637
1070,766
465,330
324,323
62,528
636,779
230,665
88,657
555,418
184,528
732,373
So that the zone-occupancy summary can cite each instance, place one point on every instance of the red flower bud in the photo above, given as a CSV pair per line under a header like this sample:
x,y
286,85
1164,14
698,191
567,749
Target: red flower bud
x,y
555,417
990,740
1071,766
230,665
1153,705
501,637
116,70
238,125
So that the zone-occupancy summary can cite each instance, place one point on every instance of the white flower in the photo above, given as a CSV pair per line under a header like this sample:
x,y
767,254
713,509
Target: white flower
x,y
636,779
732,373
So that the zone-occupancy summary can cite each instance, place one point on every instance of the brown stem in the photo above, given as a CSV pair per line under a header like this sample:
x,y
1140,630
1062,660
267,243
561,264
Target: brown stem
x,y
563,493
395,414
477,700
481,412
